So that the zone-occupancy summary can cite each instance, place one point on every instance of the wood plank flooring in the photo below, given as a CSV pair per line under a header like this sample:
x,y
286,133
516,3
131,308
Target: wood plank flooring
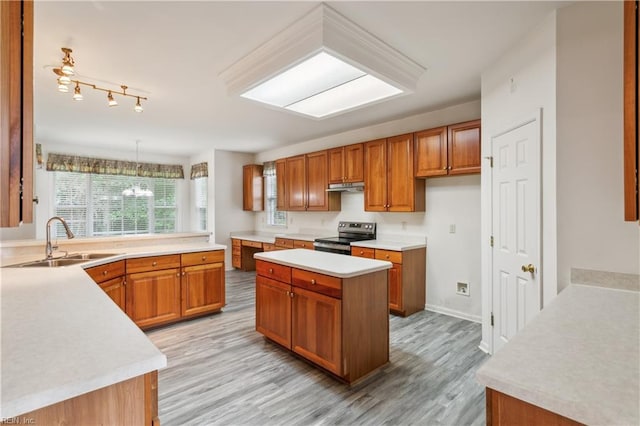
x,y
221,371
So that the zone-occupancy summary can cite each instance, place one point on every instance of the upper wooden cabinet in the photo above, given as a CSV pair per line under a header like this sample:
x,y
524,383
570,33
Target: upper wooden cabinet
x,y
389,183
281,186
16,113
451,150
306,181
631,111
346,164
252,188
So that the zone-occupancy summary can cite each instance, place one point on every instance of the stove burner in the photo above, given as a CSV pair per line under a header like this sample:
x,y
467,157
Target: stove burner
x,y
348,232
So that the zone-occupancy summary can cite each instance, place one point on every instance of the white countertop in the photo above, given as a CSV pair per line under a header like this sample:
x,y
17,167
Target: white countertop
x,y
389,245
62,336
579,358
254,237
301,237
336,265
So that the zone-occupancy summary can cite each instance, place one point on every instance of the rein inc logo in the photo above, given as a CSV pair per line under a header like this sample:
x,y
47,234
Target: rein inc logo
x,y
18,420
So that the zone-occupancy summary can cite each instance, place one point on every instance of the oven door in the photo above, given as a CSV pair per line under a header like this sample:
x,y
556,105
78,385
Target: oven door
x,y
332,247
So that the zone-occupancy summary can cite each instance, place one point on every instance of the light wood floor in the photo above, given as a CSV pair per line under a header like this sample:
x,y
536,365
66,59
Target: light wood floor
x,y
221,371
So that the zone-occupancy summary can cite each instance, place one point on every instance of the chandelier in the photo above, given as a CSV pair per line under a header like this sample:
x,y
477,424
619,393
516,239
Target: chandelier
x,y
67,71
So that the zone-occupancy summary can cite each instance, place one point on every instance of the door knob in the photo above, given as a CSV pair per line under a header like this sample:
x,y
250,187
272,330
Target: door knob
x,y
528,268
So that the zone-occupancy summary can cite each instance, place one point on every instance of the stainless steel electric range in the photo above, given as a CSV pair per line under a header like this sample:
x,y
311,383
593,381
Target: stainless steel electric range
x,y
348,232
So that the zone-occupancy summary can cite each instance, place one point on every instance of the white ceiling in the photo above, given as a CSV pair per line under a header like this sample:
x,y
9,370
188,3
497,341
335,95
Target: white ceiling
x,y
173,52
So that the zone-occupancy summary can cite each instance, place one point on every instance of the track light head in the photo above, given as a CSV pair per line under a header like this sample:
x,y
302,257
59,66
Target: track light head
x,y
77,96
112,102
67,62
138,107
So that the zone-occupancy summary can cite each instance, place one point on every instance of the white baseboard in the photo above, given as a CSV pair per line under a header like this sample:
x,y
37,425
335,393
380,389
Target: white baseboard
x,y
484,347
453,313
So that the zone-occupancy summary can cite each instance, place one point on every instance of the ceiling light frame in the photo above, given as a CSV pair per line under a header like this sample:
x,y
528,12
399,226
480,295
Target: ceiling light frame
x,y
323,29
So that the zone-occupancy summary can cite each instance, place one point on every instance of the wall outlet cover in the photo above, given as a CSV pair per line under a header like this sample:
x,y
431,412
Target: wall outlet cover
x,y
462,289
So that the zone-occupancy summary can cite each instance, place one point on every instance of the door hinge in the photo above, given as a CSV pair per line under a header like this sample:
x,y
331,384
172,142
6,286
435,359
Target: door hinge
x,y
491,241
491,319
490,158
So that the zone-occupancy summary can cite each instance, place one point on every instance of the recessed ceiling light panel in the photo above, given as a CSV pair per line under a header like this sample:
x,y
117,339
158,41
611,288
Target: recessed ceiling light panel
x,y
323,64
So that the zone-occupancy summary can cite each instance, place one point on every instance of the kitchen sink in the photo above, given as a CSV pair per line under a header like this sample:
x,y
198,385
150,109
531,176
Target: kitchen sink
x,y
90,256
72,259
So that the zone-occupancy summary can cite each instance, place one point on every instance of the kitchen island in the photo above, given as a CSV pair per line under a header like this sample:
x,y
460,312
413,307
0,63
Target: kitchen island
x,y
576,362
329,309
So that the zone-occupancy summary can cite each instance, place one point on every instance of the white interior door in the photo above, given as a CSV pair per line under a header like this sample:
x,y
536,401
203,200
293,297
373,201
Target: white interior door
x,y
516,287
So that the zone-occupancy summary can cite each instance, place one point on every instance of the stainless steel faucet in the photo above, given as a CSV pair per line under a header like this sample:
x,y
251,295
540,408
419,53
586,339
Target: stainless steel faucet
x,y
49,248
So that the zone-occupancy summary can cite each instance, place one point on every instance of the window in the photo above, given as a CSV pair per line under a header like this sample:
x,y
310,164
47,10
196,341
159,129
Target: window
x,y
94,205
201,203
274,216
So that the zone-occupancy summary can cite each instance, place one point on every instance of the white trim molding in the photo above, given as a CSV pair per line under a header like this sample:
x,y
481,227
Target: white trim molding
x,y
453,313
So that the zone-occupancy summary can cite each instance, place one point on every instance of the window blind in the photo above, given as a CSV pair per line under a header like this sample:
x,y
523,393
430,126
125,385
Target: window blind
x,y
274,216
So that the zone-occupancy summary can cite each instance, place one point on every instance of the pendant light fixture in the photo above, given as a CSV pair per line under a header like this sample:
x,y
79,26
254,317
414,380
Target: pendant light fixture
x,y
136,190
67,69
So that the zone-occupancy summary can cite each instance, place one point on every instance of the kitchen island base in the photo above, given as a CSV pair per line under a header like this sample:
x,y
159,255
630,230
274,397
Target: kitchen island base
x,y
339,324
503,410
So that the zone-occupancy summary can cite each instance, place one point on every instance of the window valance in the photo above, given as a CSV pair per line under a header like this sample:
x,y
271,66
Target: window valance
x,y
74,163
199,170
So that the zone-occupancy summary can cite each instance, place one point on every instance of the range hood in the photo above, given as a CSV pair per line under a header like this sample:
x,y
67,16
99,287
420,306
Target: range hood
x,y
346,187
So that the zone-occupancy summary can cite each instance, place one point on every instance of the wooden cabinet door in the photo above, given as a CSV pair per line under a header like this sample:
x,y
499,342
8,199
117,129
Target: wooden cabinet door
x,y
16,110
431,152
153,297
296,185
375,176
317,181
395,287
273,310
252,188
401,183
354,163
281,186
464,148
202,288
316,331
115,289
336,165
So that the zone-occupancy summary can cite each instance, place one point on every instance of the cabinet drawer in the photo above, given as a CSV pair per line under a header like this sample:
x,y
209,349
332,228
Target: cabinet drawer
x,y
256,244
235,242
153,263
236,261
284,242
273,271
389,255
269,247
236,251
325,284
106,272
303,244
363,252
202,257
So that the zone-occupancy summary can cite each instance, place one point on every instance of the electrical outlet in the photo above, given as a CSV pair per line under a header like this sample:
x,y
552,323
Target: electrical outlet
x,y
462,289
452,228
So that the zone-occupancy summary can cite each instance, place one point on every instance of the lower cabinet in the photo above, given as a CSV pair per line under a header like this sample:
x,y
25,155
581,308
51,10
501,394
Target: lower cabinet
x,y
505,410
407,277
341,325
158,290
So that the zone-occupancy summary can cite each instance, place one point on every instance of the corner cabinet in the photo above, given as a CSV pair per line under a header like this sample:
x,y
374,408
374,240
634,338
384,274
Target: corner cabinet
x,y
389,182
252,188
111,279
16,113
450,150
339,324
306,183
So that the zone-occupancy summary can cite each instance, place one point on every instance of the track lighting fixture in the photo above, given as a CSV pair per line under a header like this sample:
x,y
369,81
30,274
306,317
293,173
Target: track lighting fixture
x,y
64,80
77,96
112,102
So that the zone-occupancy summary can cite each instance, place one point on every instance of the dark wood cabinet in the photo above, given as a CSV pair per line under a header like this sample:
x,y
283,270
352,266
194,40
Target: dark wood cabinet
x,y
390,185
306,182
252,188
16,113
346,164
450,150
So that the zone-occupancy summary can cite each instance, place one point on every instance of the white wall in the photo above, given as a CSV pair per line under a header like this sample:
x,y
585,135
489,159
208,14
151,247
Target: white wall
x,y
449,200
591,230
209,158
513,88
227,205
